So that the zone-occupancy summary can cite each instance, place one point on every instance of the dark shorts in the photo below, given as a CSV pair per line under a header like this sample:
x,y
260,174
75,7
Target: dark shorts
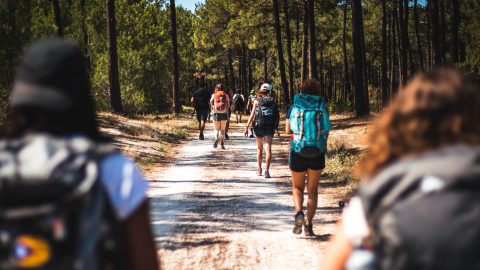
x,y
220,117
298,163
202,115
262,132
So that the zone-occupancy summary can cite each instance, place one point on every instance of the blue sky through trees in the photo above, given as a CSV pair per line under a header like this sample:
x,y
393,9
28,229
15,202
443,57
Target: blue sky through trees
x,y
188,4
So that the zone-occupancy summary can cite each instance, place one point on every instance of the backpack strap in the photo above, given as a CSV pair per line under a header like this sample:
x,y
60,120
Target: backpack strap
x,y
319,126
302,121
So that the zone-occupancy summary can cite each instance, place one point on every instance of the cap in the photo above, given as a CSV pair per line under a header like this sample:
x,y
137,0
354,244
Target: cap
x,y
265,86
52,74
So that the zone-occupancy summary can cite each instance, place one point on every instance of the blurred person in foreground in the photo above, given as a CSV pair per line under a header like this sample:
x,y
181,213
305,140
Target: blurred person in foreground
x,y
68,199
419,207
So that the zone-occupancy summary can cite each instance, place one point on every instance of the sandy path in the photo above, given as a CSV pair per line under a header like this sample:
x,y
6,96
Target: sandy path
x,y
211,211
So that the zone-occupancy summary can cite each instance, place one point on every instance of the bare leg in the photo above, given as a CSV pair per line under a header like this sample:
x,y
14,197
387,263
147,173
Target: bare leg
x,y
217,125
298,186
268,159
312,188
259,152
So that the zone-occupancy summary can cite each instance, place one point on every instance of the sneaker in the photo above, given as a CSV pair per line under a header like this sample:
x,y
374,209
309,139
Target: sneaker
x,y
299,222
226,136
201,137
215,144
223,147
267,174
259,172
309,230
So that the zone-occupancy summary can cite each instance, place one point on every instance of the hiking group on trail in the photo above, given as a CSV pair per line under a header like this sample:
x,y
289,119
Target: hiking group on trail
x,y
70,200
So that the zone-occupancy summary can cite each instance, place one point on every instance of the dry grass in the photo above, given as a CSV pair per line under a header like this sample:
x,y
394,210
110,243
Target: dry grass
x,y
147,139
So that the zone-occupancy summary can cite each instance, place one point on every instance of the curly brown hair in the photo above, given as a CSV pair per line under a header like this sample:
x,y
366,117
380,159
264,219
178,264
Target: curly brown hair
x,y
437,108
311,87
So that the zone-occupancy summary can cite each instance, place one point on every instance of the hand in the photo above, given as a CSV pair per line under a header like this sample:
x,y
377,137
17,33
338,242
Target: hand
x,y
246,133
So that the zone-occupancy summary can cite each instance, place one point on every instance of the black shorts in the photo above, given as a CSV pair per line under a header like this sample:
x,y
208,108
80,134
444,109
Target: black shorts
x,y
262,132
202,115
298,163
220,117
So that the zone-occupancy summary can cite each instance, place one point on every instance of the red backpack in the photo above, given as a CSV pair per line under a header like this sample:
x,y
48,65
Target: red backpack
x,y
220,98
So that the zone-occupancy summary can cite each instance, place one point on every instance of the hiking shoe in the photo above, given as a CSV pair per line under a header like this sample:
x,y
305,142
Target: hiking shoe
x,y
223,146
259,172
299,222
201,137
226,137
215,144
267,174
252,136
309,230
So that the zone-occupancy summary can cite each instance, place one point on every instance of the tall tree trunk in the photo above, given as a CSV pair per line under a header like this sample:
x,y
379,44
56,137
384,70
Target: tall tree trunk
x,y
443,26
114,80
394,53
175,86
11,42
250,75
230,69
312,42
265,63
403,43
225,75
429,35
407,36
289,50
347,87
455,25
434,16
85,34
361,107
281,63
58,17
384,55
417,35
305,42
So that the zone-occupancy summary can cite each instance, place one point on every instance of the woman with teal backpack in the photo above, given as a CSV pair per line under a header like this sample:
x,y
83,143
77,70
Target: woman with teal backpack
x,y
309,124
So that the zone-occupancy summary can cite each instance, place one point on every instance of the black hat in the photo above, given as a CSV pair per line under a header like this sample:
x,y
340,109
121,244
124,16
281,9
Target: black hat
x,y
52,75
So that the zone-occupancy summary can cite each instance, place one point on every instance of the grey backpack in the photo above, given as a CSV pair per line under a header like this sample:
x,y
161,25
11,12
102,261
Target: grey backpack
x,y
53,210
424,212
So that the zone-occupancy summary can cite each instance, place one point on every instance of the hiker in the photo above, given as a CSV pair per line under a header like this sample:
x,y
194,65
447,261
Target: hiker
x,y
308,121
229,114
220,102
251,100
264,117
201,103
69,200
238,103
418,206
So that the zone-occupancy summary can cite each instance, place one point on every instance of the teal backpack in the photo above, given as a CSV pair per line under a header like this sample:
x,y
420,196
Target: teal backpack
x,y
310,124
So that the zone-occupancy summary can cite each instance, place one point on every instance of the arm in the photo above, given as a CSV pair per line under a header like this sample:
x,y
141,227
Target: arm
x,y
251,117
137,240
287,127
338,251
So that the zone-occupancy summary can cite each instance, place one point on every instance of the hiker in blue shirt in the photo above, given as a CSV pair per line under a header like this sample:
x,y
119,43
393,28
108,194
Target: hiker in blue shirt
x,y
308,121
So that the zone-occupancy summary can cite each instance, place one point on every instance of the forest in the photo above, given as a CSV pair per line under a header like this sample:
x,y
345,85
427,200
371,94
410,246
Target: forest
x,y
147,56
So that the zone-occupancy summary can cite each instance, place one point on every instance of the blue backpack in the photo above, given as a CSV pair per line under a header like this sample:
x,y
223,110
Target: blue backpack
x,y
310,124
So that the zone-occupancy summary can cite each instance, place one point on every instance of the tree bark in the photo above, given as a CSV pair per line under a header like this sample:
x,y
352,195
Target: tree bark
x,y
305,42
443,27
175,86
434,16
384,55
403,42
312,42
265,63
289,50
281,63
113,76
85,34
407,36
394,55
347,87
230,69
455,25
429,35
417,35
361,107
58,17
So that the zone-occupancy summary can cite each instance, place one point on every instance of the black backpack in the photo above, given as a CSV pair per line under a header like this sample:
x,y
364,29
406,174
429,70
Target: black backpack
x,y
424,212
54,213
267,114
238,102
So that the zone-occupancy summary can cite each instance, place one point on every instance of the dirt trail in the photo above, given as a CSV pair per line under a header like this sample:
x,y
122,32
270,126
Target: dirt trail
x,y
211,211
